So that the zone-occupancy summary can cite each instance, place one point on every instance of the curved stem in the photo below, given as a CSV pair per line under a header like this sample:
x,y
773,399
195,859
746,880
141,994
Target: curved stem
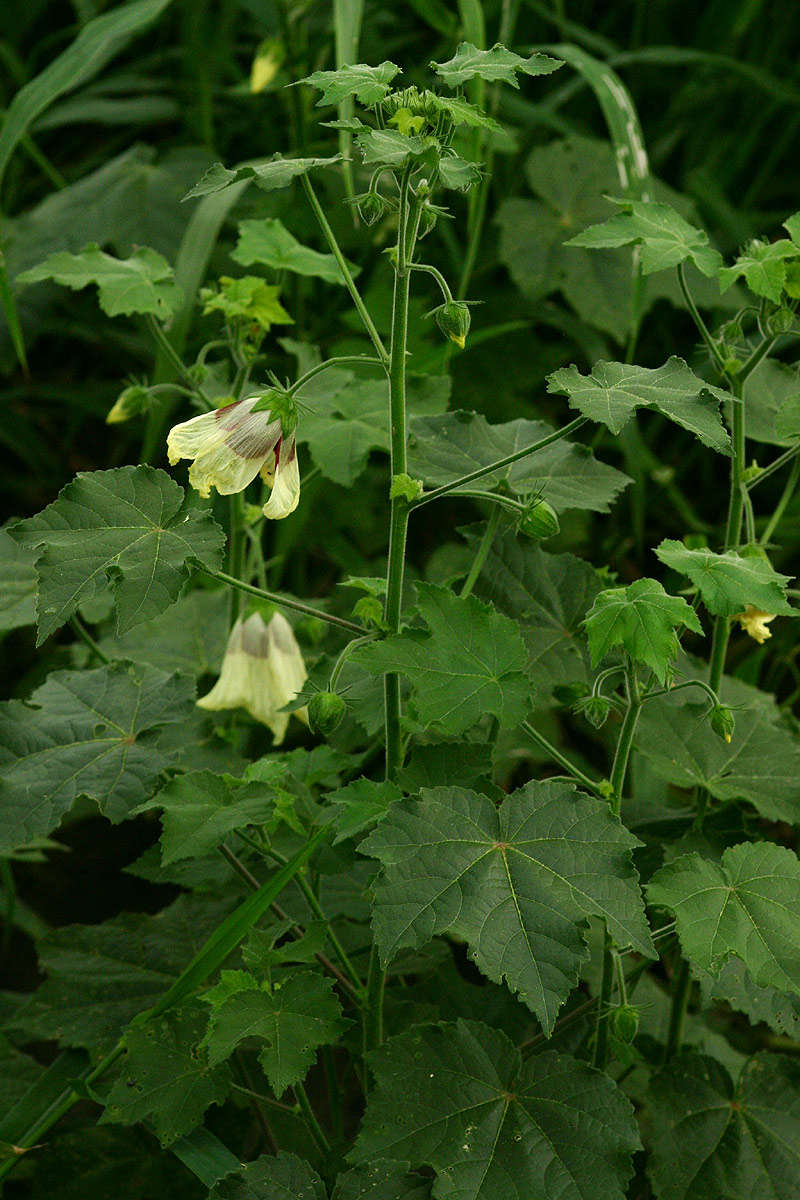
x,y
779,462
481,553
560,758
716,357
297,605
780,508
349,359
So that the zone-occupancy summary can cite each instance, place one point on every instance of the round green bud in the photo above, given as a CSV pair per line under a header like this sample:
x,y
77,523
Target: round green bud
x,y
454,320
595,709
325,712
781,321
129,403
371,207
539,520
722,722
626,1023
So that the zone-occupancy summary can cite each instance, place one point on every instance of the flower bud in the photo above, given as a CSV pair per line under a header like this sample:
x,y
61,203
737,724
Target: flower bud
x,y
722,722
626,1023
371,207
454,320
266,64
781,321
539,520
595,709
325,712
129,403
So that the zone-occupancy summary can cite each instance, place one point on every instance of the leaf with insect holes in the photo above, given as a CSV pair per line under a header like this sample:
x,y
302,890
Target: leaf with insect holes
x,y
665,237
270,244
641,618
91,733
497,65
566,474
99,977
516,883
711,1137
143,283
368,85
457,1097
761,763
763,265
470,662
291,1017
165,1078
745,905
613,391
729,582
267,174
129,527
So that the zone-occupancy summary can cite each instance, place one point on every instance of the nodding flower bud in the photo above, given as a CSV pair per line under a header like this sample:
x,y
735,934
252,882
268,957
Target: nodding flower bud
x,y
325,712
722,722
371,207
453,319
539,520
595,709
266,64
626,1022
129,403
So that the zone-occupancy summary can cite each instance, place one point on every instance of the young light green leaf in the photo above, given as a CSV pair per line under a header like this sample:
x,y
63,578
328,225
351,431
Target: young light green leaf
x,y
269,243
763,265
272,1177
458,1098
665,237
745,905
99,977
761,764
142,283
711,1138
128,527
470,662
247,298
166,1078
292,1017
368,85
267,174
497,65
641,618
729,582
461,112
613,391
389,147
516,883
93,733
458,174
200,809
567,475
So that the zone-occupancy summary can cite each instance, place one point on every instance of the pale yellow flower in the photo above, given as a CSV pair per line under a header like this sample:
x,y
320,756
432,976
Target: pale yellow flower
x,y
262,671
232,445
754,622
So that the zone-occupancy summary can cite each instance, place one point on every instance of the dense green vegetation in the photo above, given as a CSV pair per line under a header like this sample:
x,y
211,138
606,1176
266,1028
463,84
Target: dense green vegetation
x,y
399,781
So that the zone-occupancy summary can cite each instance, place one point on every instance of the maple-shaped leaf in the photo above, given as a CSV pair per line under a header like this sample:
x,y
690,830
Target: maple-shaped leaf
x,y
361,804
458,1098
366,84
165,1078
269,243
390,147
744,905
89,733
129,527
292,1016
497,65
517,883
247,298
763,265
267,174
641,618
665,237
729,582
142,283
713,1138
613,391
734,984
469,663
284,1176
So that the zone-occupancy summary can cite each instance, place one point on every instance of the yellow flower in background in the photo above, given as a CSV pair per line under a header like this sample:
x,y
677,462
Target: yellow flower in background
x,y
754,622
266,64
232,445
262,671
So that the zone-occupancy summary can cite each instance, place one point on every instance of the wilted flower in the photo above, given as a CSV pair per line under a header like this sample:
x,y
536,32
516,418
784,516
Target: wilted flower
x,y
231,445
262,671
754,622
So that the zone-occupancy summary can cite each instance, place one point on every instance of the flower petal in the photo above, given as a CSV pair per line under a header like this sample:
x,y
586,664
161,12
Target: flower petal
x,y
222,468
286,485
191,438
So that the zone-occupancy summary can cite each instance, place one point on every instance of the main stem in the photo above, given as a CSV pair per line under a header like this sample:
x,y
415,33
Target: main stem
x,y
619,771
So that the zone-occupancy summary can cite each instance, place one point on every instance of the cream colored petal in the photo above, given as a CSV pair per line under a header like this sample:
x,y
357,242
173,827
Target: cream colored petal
x,y
222,468
286,486
249,434
190,438
230,690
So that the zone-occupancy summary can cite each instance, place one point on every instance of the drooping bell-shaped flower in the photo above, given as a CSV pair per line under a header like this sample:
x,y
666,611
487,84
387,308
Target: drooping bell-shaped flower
x,y
754,621
232,445
262,671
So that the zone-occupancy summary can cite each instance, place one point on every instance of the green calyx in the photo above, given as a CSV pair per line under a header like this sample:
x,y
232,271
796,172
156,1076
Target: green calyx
x,y
454,320
539,520
325,712
282,407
